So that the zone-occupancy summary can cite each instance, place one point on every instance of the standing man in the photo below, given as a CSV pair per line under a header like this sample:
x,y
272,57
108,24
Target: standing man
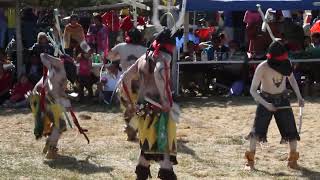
x,y
100,35
272,74
156,127
128,53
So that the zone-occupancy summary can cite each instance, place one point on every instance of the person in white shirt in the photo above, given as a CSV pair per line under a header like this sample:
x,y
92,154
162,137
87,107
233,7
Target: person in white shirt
x,y
128,53
109,78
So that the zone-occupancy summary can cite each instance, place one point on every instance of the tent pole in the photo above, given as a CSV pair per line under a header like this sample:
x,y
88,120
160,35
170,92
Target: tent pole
x,y
194,21
19,51
186,32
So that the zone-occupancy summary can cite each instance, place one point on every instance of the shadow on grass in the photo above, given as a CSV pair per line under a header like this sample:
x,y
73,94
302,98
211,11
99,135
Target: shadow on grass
x,y
184,149
222,102
12,111
96,107
80,166
310,174
306,173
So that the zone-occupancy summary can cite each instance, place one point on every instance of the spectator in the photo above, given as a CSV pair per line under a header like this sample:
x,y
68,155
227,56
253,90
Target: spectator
x,y
73,35
257,40
216,49
127,22
109,79
234,49
6,80
85,76
293,34
20,89
112,21
28,27
42,46
99,33
45,20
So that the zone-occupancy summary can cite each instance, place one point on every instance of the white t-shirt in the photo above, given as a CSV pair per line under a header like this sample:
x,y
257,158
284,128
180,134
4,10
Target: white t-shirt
x,y
112,80
129,53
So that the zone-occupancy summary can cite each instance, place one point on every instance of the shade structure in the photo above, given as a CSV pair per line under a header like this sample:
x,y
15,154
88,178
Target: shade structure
x,y
242,5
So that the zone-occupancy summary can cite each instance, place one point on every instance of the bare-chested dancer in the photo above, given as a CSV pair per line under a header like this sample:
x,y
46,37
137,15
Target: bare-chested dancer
x,y
51,124
156,128
272,74
129,52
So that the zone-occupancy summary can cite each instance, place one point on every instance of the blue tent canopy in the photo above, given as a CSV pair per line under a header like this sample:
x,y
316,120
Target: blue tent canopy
x,y
241,5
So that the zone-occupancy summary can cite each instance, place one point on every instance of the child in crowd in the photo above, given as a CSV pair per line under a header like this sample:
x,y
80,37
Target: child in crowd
x,y
20,89
109,78
85,76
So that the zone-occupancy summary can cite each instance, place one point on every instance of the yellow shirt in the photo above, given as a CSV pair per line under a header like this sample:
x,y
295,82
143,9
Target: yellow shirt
x,y
10,13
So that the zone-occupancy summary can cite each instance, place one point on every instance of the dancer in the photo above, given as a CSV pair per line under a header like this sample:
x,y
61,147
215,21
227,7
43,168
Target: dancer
x,y
156,127
273,74
48,102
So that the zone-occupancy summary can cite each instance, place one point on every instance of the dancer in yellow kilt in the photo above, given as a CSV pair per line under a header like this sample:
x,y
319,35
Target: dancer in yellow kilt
x,y
48,111
156,128
128,53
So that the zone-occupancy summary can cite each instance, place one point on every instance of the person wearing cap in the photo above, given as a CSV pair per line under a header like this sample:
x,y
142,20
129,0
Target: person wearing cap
x,y
128,52
273,74
154,121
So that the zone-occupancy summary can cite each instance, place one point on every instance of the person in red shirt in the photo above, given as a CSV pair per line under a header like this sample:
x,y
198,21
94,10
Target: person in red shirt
x,y
20,89
112,21
127,23
5,83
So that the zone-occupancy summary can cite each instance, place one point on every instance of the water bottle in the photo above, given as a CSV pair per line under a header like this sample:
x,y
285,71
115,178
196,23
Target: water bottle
x,y
215,55
194,57
98,58
204,55
94,56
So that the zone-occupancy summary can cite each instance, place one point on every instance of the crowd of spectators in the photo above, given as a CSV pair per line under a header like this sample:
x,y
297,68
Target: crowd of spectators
x,y
216,36
101,31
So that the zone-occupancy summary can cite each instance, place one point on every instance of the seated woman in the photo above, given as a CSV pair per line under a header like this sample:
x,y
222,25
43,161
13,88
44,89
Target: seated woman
x,y
20,89
108,80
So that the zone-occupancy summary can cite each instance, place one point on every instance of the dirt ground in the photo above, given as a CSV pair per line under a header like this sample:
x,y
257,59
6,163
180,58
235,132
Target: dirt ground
x,y
210,137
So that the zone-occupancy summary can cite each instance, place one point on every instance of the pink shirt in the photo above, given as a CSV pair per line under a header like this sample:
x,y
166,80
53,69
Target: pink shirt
x,y
85,67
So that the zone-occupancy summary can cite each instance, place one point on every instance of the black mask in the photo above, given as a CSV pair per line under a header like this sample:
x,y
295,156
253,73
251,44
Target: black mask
x,y
282,67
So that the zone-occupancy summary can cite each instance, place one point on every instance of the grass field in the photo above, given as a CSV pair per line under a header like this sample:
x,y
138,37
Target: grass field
x,y
210,137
